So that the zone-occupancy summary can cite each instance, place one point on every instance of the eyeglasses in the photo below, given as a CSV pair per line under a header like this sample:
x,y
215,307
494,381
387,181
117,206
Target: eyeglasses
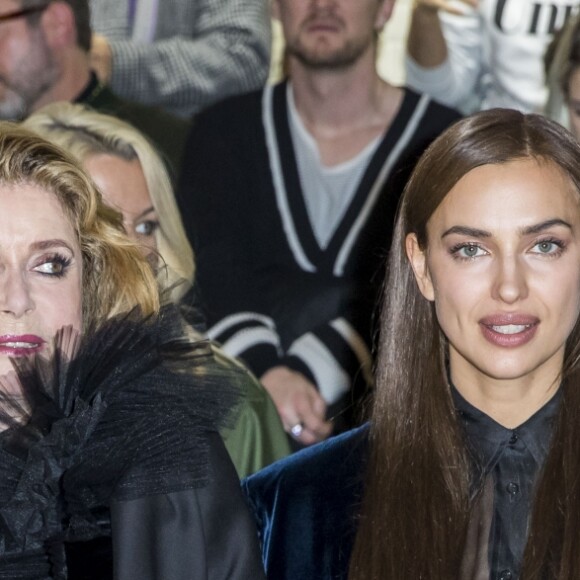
x,y
23,12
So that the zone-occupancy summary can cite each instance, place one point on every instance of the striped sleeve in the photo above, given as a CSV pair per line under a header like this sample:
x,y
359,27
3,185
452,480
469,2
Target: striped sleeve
x,y
250,336
331,356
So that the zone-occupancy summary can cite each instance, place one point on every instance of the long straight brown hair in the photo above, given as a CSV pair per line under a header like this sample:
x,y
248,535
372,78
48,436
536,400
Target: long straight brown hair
x,y
416,508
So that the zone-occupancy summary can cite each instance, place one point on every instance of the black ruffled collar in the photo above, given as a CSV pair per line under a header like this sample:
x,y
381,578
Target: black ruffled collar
x,y
127,416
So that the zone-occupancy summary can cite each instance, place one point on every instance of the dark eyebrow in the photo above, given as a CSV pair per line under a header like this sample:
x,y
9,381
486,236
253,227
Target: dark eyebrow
x,y
536,229
466,231
144,213
50,244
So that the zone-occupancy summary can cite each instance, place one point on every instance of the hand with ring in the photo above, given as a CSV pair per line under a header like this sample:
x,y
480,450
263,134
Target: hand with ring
x,y
300,405
296,430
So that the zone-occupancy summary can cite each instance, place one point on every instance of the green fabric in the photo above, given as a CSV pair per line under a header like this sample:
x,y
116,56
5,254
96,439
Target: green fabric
x,y
257,437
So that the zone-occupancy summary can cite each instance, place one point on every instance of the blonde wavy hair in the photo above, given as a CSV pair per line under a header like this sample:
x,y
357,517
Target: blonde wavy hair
x,y
115,276
84,133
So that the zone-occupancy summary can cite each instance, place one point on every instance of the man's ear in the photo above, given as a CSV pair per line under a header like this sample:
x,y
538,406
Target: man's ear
x,y
58,23
418,259
384,14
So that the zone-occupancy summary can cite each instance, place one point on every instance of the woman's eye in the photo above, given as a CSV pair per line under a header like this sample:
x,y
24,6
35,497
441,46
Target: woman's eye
x,y
147,228
470,251
53,267
547,247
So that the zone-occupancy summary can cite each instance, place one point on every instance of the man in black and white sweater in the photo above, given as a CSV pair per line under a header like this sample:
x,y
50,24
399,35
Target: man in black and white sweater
x,y
289,196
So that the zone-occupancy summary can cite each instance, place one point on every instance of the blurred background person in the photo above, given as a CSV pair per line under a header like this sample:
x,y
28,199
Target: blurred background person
x,y
562,61
288,196
133,180
182,55
479,54
44,58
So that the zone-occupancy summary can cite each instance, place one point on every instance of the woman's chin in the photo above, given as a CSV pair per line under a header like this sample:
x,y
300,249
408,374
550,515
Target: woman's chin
x,y
5,365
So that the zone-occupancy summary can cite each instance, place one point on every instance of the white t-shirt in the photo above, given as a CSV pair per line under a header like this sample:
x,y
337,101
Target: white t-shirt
x,y
327,190
495,55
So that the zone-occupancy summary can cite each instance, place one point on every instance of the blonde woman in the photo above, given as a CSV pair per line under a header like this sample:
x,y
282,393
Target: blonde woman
x,y
133,180
110,463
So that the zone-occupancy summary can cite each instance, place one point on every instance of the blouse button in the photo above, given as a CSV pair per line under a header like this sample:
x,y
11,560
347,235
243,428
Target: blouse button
x,y
505,575
514,438
513,489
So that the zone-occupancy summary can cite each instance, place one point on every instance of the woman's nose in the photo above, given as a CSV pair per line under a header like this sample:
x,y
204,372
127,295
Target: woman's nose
x,y
510,283
15,296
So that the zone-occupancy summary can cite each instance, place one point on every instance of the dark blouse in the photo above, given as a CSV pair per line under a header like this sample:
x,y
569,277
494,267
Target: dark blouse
x,y
509,461
306,505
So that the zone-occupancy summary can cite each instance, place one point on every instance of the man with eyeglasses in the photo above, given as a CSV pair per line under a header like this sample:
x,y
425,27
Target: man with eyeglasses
x,y
44,58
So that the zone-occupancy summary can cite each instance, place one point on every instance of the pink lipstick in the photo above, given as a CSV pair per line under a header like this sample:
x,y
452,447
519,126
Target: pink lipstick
x,y
20,345
509,330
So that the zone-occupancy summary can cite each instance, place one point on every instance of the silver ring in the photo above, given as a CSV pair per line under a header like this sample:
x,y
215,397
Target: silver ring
x,y
296,430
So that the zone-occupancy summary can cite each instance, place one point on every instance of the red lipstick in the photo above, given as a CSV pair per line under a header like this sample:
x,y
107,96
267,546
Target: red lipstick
x,y
509,330
20,345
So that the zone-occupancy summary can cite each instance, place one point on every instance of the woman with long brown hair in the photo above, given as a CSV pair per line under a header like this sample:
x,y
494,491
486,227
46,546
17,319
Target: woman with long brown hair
x,y
469,467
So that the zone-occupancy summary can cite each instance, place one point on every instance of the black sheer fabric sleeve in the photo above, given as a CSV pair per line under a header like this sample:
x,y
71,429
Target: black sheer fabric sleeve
x,y
204,533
